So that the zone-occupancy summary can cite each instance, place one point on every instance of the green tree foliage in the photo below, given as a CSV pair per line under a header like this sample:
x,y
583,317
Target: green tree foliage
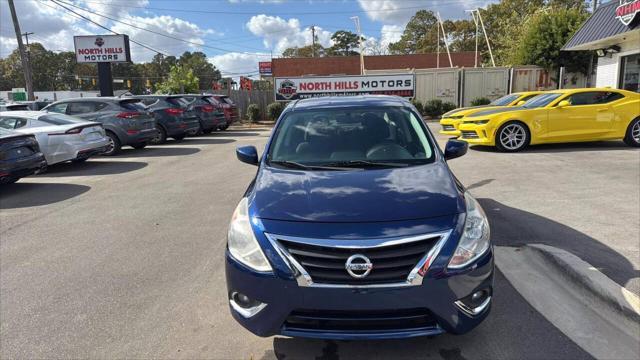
x,y
345,43
253,112
274,110
480,101
202,68
546,32
419,36
305,51
181,80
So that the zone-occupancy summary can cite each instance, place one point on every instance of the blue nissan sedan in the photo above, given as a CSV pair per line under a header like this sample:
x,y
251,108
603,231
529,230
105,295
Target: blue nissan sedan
x,y
355,228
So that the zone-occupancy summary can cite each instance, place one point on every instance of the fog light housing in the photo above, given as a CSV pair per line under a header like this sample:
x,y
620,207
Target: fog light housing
x,y
476,303
244,305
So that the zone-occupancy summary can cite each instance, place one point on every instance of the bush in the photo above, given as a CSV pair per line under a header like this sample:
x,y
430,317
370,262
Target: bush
x,y
274,110
480,101
253,113
433,108
418,106
448,106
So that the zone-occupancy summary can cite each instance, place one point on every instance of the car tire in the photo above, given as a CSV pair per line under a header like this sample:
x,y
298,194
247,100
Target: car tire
x,y
207,131
179,138
114,145
139,145
78,161
632,136
513,136
199,131
225,127
10,181
161,136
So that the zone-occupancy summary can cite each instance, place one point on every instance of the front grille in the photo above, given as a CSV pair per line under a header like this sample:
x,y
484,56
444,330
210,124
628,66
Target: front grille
x,y
469,135
359,321
390,263
448,128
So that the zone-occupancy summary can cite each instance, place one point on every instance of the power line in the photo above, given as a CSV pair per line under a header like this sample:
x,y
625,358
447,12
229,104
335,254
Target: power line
x,y
156,32
106,28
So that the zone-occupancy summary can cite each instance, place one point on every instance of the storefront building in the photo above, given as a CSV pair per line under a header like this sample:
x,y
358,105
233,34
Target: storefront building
x,y
613,32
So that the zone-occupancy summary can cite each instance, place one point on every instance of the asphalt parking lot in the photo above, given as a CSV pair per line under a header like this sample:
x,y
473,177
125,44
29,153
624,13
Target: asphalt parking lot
x,y
123,256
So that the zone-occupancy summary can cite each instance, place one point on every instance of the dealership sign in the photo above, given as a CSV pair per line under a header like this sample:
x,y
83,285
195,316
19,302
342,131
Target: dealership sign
x,y
307,87
264,67
627,11
102,48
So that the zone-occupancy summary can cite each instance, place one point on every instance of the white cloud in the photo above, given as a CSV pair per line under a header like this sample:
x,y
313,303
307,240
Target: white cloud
x,y
279,34
388,11
235,64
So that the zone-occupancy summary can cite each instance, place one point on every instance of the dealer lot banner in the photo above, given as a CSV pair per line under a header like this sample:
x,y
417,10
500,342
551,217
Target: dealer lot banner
x,y
294,88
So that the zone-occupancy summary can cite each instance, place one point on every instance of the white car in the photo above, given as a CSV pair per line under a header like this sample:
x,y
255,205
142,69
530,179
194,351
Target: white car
x,y
60,137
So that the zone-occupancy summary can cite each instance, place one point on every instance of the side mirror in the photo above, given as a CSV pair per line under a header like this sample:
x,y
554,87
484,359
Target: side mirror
x,y
520,103
455,148
563,103
247,154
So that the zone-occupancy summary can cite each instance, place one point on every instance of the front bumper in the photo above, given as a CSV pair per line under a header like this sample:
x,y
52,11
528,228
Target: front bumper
x,y
477,134
435,300
450,127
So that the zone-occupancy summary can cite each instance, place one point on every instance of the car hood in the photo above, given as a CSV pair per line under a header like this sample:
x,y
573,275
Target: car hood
x,y
395,194
455,111
497,111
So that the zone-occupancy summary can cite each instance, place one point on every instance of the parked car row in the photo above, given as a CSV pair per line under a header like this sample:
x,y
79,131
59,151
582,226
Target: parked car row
x,y
76,129
555,116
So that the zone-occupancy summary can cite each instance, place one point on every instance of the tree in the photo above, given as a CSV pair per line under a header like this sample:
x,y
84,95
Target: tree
x,y
344,43
305,51
181,80
419,36
202,68
546,32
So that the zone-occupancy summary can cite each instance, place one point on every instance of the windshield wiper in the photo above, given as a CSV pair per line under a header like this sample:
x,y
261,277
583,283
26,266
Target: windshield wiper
x,y
297,165
364,163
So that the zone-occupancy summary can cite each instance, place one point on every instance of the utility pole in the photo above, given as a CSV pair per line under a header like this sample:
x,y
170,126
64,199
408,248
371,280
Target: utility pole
x,y
26,66
313,41
595,5
438,49
356,19
28,49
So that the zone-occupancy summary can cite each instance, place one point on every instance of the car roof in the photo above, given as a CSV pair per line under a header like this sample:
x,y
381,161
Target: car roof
x,y
349,101
92,98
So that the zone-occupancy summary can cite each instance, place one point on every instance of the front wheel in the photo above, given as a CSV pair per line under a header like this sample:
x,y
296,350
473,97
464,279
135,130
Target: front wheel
x,y
512,136
632,137
113,147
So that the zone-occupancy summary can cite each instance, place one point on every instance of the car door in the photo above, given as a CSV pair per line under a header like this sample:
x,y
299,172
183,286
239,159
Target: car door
x,y
587,116
86,110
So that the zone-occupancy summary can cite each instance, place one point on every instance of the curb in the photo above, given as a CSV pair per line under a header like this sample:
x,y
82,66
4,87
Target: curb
x,y
617,297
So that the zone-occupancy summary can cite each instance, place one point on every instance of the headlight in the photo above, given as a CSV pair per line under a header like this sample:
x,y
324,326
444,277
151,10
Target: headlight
x,y
241,242
477,122
475,239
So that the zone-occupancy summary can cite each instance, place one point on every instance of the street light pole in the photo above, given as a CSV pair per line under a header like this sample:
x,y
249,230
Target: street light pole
x,y
26,66
356,19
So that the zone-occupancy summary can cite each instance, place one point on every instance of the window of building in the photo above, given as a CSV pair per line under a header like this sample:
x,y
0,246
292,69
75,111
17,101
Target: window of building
x,y
630,73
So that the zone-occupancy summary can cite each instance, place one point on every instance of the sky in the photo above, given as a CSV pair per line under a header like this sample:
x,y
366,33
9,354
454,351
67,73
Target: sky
x,y
235,34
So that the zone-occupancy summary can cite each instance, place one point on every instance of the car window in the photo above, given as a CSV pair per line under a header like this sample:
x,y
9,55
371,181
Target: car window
x,y
12,122
528,97
211,100
505,100
59,108
593,98
58,119
541,100
176,101
133,105
149,101
322,137
82,107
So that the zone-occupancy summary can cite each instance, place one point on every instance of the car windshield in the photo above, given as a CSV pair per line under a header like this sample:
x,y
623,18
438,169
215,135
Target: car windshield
x,y
541,100
227,100
58,119
505,100
351,137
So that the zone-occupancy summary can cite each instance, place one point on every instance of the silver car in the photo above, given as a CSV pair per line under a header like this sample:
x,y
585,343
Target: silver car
x,y
60,137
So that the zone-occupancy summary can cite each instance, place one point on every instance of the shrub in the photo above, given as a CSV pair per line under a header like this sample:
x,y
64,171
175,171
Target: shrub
x,y
448,106
480,101
253,112
418,106
274,110
433,108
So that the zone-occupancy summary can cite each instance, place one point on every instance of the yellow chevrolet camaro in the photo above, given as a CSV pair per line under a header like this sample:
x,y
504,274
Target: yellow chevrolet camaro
x,y
453,118
558,116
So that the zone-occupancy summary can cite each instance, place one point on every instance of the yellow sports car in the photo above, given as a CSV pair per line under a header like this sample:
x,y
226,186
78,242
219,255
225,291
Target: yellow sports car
x,y
453,118
558,116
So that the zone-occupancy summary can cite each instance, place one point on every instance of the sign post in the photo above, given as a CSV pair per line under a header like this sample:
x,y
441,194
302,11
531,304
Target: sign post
x,y
294,88
103,50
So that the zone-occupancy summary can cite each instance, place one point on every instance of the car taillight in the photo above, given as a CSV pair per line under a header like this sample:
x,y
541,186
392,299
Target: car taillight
x,y
74,131
128,114
207,108
173,111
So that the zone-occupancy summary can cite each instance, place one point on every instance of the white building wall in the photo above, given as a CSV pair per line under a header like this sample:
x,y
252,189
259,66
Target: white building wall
x,y
608,69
